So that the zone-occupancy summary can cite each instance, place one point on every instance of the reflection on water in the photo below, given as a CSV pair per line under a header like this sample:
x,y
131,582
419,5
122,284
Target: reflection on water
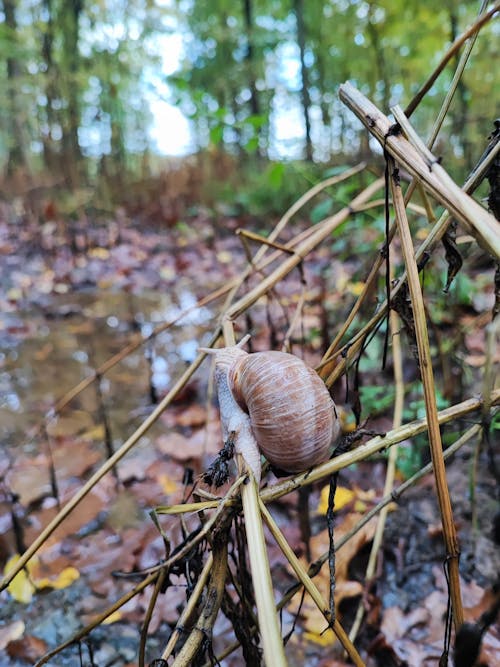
x,y
46,353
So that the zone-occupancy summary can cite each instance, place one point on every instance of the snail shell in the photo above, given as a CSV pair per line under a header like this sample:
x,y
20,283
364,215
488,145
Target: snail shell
x,y
292,415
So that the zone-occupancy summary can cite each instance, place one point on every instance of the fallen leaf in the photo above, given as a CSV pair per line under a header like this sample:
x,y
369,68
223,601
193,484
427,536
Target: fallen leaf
x,y
21,588
168,484
176,445
29,479
63,580
28,648
343,497
9,633
194,415
355,288
314,620
113,618
96,433
71,424
224,257
321,637
98,253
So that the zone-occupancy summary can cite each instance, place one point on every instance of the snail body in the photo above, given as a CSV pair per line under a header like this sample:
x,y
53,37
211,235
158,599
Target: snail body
x,y
284,403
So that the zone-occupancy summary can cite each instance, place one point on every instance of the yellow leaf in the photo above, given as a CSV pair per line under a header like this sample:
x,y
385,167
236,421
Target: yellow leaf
x,y
96,433
14,294
326,638
224,257
355,288
360,506
167,484
167,273
20,587
11,632
347,421
343,497
105,283
99,253
112,618
63,580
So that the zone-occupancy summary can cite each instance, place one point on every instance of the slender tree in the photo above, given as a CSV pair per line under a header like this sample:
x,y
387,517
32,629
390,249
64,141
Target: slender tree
x,y
69,20
16,142
298,10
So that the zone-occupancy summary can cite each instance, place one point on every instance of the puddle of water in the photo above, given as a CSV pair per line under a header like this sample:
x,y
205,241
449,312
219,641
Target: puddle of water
x,y
46,352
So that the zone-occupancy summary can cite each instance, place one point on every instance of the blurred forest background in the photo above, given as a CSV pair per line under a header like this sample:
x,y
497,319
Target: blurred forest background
x,y
94,92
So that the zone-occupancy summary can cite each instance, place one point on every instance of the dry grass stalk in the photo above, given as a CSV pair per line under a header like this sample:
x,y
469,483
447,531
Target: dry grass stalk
x,y
427,374
310,587
426,168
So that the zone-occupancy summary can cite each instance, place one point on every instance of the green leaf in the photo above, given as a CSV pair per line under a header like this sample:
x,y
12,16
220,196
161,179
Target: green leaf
x,y
321,210
216,134
252,145
275,175
334,171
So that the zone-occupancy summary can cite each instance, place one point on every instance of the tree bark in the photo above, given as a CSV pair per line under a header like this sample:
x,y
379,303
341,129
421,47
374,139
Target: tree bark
x,y
51,92
16,155
249,58
298,10
70,29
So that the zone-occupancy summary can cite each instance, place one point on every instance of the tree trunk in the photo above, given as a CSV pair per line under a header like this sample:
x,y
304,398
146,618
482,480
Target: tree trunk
x,y
298,10
249,58
51,93
380,62
16,155
70,17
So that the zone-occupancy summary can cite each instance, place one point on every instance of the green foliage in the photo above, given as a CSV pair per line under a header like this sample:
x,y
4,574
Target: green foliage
x,y
411,457
375,399
272,189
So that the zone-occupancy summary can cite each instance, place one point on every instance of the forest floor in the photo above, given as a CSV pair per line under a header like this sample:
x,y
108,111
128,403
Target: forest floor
x,y
71,296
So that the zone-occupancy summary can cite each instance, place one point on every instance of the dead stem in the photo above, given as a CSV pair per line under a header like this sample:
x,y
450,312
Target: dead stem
x,y
425,362
204,624
189,609
311,588
434,178
352,347
158,585
99,474
395,495
372,446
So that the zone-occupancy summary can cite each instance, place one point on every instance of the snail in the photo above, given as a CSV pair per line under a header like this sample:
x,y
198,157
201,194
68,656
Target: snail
x,y
273,404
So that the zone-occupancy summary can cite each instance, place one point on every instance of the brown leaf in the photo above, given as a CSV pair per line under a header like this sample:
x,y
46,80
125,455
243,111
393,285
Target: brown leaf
x,y
70,424
29,479
28,648
11,632
193,415
177,446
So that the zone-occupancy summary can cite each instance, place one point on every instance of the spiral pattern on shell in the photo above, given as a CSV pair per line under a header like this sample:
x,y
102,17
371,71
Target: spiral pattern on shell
x,y
292,415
